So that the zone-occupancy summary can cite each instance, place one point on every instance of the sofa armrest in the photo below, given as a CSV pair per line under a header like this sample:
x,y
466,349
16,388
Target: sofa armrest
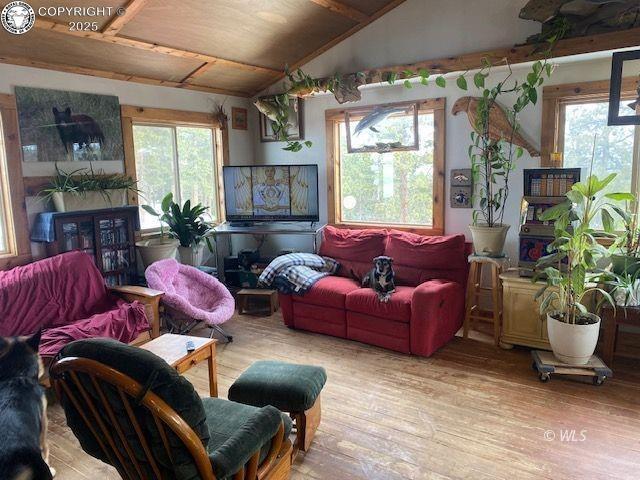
x,y
437,309
148,297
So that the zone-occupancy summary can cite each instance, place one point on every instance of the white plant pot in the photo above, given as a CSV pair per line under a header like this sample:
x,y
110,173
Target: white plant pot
x,y
573,344
70,202
155,249
192,255
489,241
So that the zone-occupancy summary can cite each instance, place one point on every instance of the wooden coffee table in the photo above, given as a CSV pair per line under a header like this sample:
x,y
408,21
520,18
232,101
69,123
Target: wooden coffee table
x,y
172,349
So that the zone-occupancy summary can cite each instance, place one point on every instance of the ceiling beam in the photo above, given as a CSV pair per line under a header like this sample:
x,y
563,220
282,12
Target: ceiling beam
x,y
63,28
344,10
25,62
198,71
514,55
332,43
123,16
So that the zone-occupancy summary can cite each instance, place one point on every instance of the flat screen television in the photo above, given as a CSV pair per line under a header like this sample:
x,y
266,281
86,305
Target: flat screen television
x,y
271,193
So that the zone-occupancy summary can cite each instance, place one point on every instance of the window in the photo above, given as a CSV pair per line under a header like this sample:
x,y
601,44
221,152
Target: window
x,y
574,116
174,151
15,248
5,210
402,189
174,159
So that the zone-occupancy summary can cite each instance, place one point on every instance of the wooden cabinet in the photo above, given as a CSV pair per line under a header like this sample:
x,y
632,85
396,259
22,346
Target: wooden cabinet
x,y
522,323
108,236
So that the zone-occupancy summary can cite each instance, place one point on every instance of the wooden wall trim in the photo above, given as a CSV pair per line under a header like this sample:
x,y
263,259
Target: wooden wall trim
x,y
514,55
166,115
17,225
555,98
332,119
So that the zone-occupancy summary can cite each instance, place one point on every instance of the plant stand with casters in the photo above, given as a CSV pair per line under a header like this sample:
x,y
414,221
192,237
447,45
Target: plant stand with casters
x,y
546,364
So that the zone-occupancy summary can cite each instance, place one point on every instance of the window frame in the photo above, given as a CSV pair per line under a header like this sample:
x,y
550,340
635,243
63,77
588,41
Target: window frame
x,y
555,99
13,192
161,117
333,117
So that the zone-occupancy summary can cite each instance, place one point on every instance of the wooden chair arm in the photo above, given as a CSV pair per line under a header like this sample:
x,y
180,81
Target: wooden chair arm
x,y
147,296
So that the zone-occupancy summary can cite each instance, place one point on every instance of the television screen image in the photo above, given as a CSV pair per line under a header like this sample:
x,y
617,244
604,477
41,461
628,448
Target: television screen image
x,y
271,192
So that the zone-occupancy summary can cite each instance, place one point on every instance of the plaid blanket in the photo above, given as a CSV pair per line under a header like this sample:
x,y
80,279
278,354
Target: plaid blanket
x,y
297,272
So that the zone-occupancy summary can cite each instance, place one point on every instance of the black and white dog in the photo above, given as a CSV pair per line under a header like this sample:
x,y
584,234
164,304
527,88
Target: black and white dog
x,y
381,278
23,411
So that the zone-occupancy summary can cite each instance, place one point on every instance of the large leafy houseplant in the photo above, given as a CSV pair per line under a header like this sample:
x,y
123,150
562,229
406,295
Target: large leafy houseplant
x,y
186,224
571,268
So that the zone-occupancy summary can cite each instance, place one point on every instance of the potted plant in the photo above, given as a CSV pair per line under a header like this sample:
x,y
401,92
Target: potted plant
x,y
187,226
158,248
571,270
625,250
84,189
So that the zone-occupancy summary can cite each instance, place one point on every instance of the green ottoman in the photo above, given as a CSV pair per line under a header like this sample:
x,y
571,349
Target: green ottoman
x,y
288,387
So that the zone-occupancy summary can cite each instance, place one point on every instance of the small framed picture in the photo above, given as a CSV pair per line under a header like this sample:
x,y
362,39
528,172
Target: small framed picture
x,y
294,123
239,118
624,111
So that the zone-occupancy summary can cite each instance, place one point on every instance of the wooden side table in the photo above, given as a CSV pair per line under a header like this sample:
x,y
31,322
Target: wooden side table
x,y
172,349
473,311
246,293
610,322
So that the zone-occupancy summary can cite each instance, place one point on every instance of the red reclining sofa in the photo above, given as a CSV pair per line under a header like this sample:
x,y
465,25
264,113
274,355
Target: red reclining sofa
x,y
423,314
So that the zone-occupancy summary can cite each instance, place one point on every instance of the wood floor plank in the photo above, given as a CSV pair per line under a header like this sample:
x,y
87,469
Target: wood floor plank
x,y
471,411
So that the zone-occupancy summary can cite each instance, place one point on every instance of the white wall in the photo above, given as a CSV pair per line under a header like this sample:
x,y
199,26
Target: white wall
x,y
241,142
428,29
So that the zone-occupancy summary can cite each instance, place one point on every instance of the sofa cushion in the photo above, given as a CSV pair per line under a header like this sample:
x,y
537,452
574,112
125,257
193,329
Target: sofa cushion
x,y
418,258
365,300
354,249
286,386
329,291
237,431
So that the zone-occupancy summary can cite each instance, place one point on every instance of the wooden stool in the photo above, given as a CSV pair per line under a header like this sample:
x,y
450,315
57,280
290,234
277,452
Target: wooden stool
x,y
474,290
246,293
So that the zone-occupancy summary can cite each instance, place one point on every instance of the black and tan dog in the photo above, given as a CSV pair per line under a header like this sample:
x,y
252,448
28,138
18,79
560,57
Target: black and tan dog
x,y
381,278
23,411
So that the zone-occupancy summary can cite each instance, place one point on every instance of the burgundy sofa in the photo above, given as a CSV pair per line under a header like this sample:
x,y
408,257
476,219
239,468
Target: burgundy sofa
x,y
65,296
423,314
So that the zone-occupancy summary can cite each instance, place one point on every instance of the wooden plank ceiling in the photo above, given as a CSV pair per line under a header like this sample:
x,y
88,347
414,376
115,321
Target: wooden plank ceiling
x,y
233,47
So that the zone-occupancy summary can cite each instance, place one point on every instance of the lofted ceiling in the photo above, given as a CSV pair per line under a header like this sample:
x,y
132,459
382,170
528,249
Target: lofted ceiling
x,y
235,47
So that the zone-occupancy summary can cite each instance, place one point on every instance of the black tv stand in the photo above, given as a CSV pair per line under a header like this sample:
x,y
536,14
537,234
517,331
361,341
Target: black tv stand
x,y
229,229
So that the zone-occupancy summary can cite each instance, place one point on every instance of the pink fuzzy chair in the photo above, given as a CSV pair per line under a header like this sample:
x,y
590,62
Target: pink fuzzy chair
x,y
191,295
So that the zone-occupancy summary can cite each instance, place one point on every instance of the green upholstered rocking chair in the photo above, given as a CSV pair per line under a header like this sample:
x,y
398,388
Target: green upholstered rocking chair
x,y
130,409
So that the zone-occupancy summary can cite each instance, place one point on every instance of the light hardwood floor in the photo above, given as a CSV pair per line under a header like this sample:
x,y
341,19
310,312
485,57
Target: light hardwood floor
x,y
471,411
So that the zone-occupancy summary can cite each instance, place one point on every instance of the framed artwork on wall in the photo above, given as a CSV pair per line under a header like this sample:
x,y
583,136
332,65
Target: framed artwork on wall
x,y
239,118
294,130
62,126
461,188
623,65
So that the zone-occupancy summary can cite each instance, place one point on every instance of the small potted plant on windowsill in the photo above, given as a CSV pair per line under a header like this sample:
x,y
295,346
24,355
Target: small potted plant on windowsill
x,y
84,189
186,226
571,270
